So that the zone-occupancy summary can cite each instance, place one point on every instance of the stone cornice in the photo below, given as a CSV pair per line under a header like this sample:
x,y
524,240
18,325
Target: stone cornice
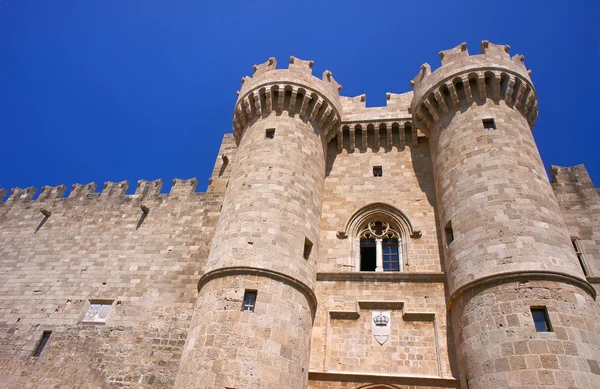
x,y
436,277
593,280
375,378
532,275
254,271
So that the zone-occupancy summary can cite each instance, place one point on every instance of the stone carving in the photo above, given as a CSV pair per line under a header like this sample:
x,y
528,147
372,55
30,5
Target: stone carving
x,y
379,230
97,313
381,326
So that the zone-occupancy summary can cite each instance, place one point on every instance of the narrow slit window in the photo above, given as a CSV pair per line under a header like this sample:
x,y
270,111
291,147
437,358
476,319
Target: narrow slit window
x,y
307,248
43,340
541,319
489,124
270,134
377,171
579,253
449,232
249,300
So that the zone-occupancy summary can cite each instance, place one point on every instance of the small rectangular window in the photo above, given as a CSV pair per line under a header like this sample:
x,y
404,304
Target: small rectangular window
x,y
307,248
579,253
270,134
541,319
489,124
377,171
249,300
449,233
43,340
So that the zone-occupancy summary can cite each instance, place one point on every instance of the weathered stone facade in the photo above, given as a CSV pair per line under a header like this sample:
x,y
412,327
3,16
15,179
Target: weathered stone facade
x,y
405,246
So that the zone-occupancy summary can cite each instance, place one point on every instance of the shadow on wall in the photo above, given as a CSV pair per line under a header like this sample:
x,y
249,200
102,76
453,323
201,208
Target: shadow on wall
x,y
423,166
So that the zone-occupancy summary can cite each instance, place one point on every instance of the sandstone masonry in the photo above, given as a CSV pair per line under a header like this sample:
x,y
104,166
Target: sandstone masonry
x,y
416,245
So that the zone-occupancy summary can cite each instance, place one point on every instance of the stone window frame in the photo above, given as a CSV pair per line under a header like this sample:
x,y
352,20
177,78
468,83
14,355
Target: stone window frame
x,y
373,212
387,232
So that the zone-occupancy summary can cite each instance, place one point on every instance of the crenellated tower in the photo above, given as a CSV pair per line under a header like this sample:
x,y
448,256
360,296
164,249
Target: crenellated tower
x,y
516,289
256,305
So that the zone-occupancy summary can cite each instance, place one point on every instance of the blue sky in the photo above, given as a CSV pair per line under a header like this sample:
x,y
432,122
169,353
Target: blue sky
x,y
125,90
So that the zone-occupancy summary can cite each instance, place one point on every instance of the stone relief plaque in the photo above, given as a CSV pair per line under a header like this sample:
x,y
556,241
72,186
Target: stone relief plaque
x,y
97,313
381,326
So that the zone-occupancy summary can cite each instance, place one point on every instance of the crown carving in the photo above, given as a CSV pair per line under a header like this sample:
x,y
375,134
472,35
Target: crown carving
x,y
381,320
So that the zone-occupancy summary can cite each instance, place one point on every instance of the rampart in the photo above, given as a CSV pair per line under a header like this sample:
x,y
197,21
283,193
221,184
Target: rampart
x,y
142,254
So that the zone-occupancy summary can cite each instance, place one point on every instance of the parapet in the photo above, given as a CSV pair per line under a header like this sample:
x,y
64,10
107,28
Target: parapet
x,y
18,194
148,188
112,191
571,175
464,79
115,189
294,90
52,192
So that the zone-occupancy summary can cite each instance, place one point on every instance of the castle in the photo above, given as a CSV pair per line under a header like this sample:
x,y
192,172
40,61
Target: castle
x,y
415,245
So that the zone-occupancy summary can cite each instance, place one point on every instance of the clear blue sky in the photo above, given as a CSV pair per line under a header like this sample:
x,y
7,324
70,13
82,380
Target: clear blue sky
x,y
117,90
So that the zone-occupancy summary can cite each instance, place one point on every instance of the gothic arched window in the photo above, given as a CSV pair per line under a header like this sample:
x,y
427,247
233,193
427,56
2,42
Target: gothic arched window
x,y
380,247
378,236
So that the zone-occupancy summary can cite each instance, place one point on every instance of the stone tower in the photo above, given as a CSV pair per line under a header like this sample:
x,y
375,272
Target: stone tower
x,y
507,249
266,240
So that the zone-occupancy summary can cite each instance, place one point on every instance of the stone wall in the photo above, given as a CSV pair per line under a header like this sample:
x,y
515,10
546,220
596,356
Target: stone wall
x,y
407,185
343,343
498,343
579,204
102,248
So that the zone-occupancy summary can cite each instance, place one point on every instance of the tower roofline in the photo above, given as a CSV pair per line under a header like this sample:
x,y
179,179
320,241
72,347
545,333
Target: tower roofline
x,y
462,78
294,89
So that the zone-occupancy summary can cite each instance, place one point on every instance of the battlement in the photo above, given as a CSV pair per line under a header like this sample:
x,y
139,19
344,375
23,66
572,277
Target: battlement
x,y
571,176
354,109
112,191
376,127
294,90
464,79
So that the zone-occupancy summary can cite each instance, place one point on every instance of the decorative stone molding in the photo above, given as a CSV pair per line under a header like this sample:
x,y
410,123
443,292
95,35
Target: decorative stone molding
x,y
437,277
380,381
379,210
531,275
